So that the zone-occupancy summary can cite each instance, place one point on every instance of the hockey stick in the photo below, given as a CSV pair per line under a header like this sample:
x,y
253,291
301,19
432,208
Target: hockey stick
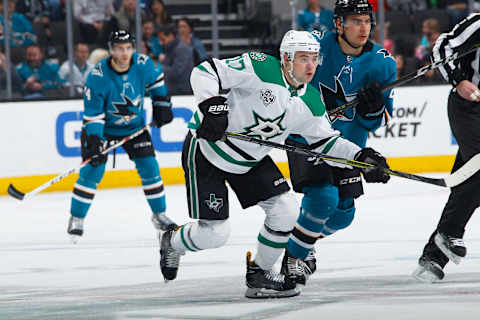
x,y
459,176
17,194
409,77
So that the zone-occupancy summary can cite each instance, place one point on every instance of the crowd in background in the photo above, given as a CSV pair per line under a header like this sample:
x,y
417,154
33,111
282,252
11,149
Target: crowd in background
x,y
39,64
410,45
38,39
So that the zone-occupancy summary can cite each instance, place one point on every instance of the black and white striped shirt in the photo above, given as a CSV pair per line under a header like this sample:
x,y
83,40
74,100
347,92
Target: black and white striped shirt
x,y
464,36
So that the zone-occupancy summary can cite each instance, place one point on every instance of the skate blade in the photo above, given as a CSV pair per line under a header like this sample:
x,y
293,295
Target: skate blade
x,y
423,275
262,293
452,256
74,238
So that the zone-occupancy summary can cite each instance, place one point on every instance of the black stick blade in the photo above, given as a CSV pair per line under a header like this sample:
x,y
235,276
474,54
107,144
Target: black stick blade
x,y
14,192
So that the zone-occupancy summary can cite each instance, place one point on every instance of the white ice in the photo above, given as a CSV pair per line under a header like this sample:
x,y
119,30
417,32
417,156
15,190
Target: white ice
x,y
112,273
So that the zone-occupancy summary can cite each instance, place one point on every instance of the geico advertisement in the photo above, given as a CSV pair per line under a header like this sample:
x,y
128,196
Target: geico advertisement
x,y
418,126
44,137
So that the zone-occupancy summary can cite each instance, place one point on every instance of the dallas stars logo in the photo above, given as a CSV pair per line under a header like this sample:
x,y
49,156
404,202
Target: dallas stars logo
x,y
123,109
265,128
331,98
214,203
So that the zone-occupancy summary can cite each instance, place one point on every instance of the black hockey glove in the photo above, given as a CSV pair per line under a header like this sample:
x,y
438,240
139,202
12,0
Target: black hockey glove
x,y
215,118
162,111
371,103
92,148
373,174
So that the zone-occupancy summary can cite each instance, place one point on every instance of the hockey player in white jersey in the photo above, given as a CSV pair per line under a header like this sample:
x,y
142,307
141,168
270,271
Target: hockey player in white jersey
x,y
268,99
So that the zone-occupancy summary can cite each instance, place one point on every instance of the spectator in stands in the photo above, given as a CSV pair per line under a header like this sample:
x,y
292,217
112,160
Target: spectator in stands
x,y
117,4
16,80
125,17
407,6
387,42
33,10
329,4
431,31
39,12
177,61
21,34
457,10
92,16
40,77
57,9
81,68
315,17
151,41
97,55
158,13
400,62
185,33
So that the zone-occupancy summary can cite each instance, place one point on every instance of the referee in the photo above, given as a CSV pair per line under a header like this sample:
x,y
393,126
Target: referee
x,y
446,242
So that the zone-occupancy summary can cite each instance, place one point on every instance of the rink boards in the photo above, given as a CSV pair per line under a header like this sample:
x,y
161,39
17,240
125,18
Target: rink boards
x,y
41,140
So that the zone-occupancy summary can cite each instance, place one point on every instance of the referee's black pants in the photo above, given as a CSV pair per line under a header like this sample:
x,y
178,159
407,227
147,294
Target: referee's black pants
x,y
464,118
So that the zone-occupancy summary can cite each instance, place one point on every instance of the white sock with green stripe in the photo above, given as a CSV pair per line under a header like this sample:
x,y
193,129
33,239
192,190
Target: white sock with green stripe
x,y
200,235
270,247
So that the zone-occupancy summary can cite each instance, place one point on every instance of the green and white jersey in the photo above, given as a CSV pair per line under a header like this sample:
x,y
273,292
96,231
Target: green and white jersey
x,y
263,105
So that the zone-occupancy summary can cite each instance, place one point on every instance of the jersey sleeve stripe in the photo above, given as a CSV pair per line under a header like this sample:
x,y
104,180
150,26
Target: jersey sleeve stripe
x,y
158,82
156,85
329,145
93,118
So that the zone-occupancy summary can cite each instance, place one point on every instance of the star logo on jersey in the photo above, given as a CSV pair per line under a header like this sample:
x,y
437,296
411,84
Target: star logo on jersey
x,y
265,128
332,98
214,203
124,109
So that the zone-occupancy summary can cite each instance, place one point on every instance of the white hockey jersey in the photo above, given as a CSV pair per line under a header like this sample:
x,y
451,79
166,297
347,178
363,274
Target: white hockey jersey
x,y
263,105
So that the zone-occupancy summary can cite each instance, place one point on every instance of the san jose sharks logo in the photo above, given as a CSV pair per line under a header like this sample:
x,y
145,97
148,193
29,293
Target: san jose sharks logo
x,y
127,109
214,203
265,128
334,97
385,53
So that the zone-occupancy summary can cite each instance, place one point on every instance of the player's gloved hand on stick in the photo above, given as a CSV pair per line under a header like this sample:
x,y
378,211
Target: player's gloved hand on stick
x,y
373,174
215,118
162,111
371,103
93,148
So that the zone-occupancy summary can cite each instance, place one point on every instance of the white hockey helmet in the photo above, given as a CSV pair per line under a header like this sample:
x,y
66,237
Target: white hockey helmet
x,y
294,41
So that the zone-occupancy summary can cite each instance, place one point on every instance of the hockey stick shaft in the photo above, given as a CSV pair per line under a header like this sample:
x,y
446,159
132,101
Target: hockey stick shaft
x,y
465,172
14,192
409,77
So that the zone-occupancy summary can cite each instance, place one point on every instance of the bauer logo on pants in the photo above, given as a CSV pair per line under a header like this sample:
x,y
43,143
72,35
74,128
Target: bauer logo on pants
x,y
214,203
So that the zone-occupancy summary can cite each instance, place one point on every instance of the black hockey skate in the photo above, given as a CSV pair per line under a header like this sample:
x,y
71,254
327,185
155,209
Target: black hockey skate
x,y
169,257
311,261
428,270
296,269
453,248
75,228
263,284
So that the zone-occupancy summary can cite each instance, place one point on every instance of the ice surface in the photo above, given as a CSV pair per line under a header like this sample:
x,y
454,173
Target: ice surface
x,y
112,273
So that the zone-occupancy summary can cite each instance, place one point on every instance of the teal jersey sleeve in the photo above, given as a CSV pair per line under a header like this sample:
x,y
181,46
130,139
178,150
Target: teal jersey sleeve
x,y
154,79
94,99
384,72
